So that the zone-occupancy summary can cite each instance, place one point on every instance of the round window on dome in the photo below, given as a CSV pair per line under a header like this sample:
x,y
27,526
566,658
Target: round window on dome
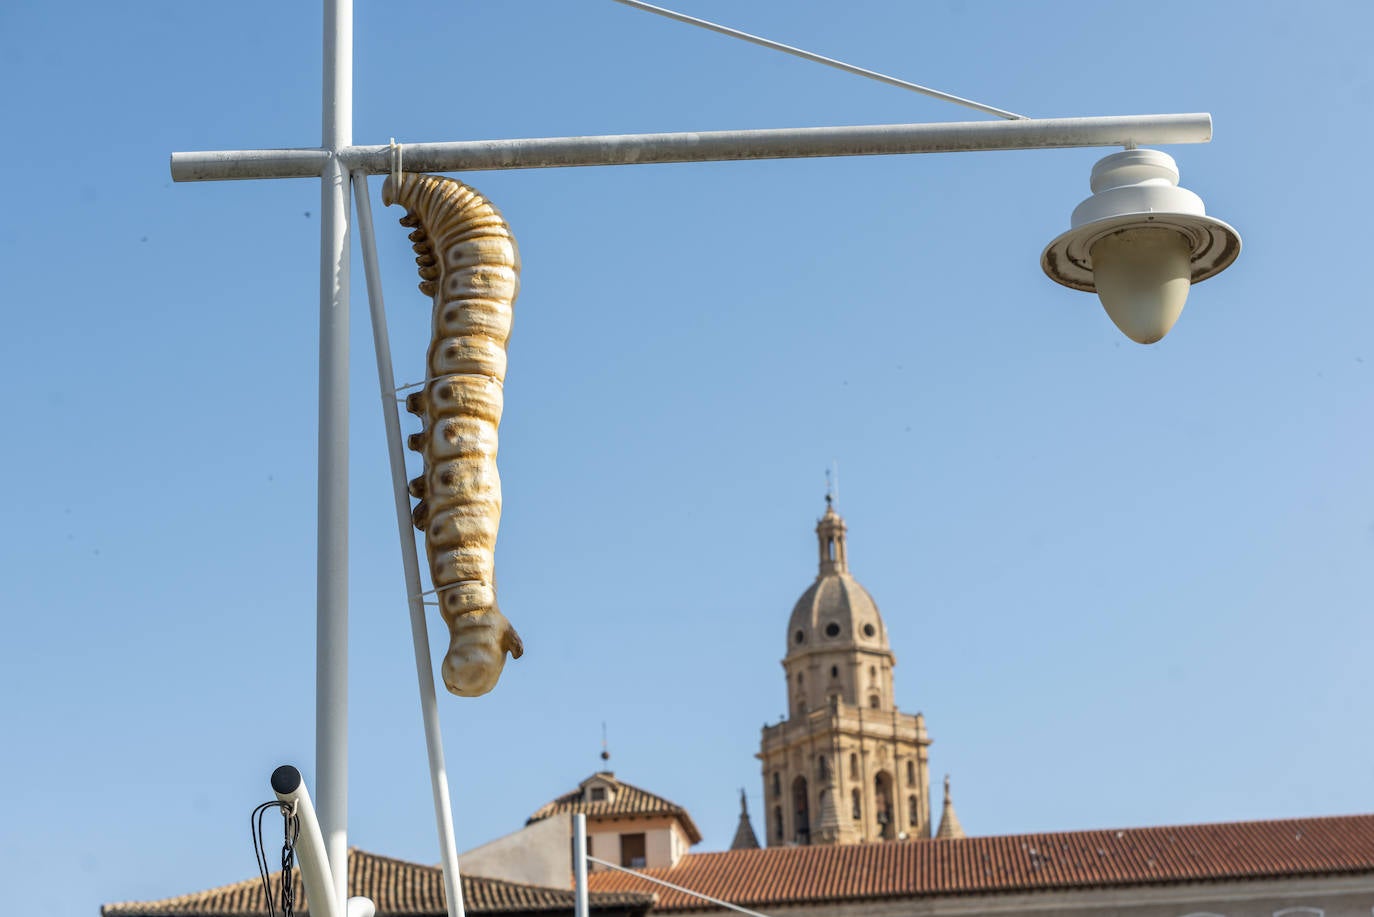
x,y
800,636
869,630
832,629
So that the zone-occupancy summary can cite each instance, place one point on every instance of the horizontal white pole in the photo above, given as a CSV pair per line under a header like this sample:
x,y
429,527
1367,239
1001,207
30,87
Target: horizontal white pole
x,y
220,165
707,146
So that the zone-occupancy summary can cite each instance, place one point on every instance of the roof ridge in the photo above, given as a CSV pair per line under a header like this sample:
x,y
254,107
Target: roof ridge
x,y
1190,825
647,792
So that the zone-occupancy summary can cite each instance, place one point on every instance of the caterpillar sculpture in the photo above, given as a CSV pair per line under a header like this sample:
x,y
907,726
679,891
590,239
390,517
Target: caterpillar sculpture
x,y
470,265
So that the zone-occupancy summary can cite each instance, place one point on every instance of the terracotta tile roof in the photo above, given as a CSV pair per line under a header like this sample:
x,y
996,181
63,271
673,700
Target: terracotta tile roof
x,y
1015,863
395,886
626,800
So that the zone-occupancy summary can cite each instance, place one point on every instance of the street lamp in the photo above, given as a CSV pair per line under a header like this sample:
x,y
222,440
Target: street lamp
x,y
1139,242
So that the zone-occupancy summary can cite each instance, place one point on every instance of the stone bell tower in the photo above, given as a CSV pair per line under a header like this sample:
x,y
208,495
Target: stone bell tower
x,y
846,766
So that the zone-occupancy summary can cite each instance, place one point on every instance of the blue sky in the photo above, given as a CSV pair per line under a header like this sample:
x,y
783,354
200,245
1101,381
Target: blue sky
x,y
1126,585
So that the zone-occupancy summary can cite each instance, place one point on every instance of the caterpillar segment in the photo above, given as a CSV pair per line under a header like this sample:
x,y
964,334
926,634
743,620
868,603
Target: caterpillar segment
x,y
470,266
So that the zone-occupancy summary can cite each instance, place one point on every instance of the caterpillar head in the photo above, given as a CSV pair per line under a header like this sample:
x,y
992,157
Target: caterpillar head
x,y
477,652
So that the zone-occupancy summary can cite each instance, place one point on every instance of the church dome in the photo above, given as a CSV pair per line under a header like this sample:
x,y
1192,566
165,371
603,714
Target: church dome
x,y
836,612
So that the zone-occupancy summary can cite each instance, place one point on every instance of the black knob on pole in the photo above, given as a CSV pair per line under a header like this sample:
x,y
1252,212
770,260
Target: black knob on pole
x,y
285,779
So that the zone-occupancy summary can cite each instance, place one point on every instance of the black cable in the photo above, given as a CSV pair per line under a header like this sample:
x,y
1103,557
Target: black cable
x,y
291,829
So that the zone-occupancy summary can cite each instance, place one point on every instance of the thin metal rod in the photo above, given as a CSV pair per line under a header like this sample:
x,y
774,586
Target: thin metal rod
x,y
819,59
331,641
419,631
686,891
714,146
581,906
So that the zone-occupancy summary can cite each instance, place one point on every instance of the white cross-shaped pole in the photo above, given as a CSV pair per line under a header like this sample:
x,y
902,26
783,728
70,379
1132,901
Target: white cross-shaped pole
x,y
337,160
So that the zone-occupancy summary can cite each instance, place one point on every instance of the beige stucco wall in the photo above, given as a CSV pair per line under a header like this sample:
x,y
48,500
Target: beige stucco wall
x,y
538,854
664,840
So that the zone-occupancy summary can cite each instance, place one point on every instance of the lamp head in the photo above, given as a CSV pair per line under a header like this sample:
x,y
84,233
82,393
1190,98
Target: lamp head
x,y
1139,242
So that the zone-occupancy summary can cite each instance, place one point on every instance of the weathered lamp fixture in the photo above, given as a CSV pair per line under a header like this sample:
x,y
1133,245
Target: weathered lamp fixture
x,y
1139,242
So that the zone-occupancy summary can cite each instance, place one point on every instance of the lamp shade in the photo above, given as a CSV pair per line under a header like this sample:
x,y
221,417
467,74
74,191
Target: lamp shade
x,y
1139,242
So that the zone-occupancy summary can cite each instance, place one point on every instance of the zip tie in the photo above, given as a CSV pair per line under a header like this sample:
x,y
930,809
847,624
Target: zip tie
x,y
440,589
428,379
395,164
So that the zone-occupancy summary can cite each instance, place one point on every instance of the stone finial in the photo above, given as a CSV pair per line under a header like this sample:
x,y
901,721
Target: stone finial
x,y
828,825
745,839
949,822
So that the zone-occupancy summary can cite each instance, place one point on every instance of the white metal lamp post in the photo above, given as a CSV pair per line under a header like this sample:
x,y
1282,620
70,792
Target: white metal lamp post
x,y
1139,242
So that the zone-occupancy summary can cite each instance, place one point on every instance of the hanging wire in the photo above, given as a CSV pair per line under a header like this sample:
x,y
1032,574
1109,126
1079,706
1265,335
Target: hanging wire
x,y
820,59
686,891
291,832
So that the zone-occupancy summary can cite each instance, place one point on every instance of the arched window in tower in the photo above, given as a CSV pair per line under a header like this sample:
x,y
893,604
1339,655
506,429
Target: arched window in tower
x,y
873,701
777,823
822,768
872,674
801,706
853,767
801,679
777,784
911,814
834,671
882,804
801,808
910,772
857,808
830,548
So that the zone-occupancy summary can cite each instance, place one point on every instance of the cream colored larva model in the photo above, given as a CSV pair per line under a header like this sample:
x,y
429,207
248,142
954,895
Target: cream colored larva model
x,y
470,265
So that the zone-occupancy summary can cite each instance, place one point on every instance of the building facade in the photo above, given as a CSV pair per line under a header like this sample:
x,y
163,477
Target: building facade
x,y
626,825
845,766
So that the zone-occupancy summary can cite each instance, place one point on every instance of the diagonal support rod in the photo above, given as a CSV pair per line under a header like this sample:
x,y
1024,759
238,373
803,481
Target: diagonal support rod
x,y
820,59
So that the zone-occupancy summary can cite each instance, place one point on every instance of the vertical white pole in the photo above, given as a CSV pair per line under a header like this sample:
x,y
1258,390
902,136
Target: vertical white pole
x,y
410,562
580,908
331,588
